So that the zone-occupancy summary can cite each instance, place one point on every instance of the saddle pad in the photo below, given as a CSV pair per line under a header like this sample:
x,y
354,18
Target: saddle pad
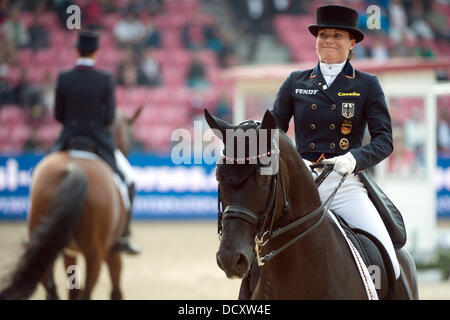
x,y
120,184
83,154
364,272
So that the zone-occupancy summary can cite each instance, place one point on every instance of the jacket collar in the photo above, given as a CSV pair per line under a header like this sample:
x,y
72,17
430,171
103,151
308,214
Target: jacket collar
x,y
348,71
85,63
347,74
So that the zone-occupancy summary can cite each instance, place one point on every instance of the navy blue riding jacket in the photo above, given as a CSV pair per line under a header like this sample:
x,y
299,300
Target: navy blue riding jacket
x,y
85,105
331,121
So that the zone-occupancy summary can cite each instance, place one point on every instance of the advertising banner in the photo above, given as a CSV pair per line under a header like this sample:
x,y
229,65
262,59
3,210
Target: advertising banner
x,y
443,187
164,190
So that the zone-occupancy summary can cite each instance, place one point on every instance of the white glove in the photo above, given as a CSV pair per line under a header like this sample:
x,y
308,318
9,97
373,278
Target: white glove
x,y
342,164
308,165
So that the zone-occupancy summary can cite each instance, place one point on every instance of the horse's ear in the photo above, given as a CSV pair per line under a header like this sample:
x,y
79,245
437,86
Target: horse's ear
x,y
268,121
218,124
136,115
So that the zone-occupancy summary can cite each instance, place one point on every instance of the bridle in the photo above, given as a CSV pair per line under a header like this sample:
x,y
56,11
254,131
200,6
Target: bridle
x,y
264,223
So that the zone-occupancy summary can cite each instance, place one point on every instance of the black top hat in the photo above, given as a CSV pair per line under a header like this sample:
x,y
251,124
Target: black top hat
x,y
337,17
87,40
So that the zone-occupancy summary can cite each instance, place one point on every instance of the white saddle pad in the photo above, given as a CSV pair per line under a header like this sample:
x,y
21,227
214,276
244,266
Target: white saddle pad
x,y
364,272
81,154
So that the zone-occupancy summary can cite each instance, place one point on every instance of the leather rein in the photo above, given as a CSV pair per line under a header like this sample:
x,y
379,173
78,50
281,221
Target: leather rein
x,y
264,223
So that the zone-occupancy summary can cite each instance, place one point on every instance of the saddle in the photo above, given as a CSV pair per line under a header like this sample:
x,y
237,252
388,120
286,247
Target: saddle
x,y
81,143
389,213
84,143
374,256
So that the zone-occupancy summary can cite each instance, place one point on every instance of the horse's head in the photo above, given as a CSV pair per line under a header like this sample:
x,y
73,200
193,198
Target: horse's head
x,y
246,188
121,129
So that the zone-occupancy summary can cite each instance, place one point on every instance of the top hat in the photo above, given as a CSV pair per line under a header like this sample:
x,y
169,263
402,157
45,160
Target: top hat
x,y
337,17
87,40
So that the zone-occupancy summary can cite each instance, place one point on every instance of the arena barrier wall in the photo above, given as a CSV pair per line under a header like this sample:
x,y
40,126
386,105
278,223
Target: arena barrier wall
x,y
164,190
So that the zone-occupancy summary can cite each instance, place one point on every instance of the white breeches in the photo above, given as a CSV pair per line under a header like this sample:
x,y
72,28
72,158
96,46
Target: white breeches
x,y
127,170
124,166
353,204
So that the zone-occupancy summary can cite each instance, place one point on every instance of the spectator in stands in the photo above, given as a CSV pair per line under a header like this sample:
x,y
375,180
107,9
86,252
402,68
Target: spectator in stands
x,y
15,30
4,5
152,38
5,89
227,56
129,73
197,73
7,49
398,22
292,7
151,68
213,36
47,93
223,110
423,50
147,6
93,15
361,51
61,10
256,15
28,96
403,48
193,32
39,36
379,51
33,144
418,21
129,31
438,23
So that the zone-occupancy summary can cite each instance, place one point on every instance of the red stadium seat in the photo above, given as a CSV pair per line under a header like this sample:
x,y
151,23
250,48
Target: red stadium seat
x,y
12,115
20,134
189,6
172,40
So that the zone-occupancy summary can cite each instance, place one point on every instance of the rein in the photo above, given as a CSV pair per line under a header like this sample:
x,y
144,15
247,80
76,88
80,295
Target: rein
x,y
263,237
321,210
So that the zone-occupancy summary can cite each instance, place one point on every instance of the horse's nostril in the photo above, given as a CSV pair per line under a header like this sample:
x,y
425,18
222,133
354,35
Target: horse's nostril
x,y
240,263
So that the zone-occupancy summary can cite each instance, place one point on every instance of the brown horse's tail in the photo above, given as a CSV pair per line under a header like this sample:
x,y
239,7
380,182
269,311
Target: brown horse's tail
x,y
53,234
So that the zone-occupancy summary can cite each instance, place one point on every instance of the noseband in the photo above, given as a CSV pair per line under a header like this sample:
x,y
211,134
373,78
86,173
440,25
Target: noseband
x,y
265,231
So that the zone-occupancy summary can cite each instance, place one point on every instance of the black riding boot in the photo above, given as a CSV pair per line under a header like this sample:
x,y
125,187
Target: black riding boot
x,y
124,241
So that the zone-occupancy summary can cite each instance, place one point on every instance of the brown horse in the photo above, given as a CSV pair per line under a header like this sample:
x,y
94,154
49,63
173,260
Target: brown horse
x,y
279,219
75,207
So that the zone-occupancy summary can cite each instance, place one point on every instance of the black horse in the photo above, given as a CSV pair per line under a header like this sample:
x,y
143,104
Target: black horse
x,y
279,221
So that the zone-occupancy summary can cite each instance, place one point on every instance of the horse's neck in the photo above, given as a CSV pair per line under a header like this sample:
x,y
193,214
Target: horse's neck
x,y
302,190
306,264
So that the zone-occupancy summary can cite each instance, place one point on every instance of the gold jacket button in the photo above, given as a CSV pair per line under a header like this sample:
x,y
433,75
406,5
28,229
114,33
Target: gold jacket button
x,y
312,145
313,126
332,146
333,107
332,126
314,106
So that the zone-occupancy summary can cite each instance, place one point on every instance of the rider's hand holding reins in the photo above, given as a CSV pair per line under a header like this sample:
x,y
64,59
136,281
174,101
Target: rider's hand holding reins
x,y
342,164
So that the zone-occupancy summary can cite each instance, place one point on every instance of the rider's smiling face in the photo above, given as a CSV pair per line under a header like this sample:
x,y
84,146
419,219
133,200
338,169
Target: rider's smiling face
x,y
333,45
